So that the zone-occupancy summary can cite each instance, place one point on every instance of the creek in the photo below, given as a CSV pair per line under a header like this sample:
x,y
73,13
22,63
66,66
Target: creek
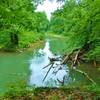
x,y
27,68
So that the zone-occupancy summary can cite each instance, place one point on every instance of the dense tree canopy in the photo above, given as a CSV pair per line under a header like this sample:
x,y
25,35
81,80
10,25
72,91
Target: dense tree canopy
x,y
76,23
80,23
78,20
19,23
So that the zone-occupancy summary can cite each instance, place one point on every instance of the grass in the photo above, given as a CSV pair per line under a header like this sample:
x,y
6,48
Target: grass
x,y
69,93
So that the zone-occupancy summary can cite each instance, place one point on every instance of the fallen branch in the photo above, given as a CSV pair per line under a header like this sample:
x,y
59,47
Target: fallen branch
x,y
74,57
54,59
85,74
65,59
75,61
47,65
48,71
62,82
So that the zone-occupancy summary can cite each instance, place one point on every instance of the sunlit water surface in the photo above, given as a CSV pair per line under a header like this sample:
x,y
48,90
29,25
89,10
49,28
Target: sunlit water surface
x,y
56,74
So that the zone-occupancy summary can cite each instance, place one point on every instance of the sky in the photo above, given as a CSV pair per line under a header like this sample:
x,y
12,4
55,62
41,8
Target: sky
x,y
48,7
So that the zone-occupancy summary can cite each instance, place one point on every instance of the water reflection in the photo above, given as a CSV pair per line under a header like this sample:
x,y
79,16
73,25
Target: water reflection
x,y
57,74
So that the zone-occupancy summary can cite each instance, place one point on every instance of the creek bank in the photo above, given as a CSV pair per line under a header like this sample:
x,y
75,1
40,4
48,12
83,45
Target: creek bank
x,y
73,93
55,46
28,48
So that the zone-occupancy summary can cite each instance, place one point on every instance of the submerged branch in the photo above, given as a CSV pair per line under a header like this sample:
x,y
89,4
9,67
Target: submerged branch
x,y
62,82
85,74
48,71
74,57
47,65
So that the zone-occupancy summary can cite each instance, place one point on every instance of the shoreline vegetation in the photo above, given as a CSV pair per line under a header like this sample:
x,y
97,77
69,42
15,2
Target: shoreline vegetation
x,y
34,45
63,93
91,92
21,28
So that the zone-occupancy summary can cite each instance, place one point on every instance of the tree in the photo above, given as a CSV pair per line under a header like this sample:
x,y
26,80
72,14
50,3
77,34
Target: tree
x,y
18,21
79,22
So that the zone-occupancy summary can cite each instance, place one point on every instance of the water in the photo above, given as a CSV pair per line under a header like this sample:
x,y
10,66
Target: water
x,y
57,72
17,69
14,69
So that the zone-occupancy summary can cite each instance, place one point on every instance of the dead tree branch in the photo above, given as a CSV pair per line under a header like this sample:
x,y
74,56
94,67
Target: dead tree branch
x,y
48,72
74,57
75,60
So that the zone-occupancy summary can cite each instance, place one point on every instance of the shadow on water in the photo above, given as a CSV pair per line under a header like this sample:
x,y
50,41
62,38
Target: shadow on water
x,y
39,61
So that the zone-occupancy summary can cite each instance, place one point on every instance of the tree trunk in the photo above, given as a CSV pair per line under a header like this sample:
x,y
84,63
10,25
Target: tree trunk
x,y
14,38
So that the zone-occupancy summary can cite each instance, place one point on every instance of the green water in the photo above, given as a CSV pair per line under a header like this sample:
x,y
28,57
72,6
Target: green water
x,y
14,67
58,46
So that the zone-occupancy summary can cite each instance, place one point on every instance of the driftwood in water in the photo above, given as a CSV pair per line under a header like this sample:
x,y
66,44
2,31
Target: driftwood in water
x,y
48,71
63,61
61,82
51,64
75,57
54,59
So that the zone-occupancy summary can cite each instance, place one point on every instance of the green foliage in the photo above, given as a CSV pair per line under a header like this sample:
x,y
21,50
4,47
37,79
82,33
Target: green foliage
x,y
54,97
80,23
76,93
19,93
19,23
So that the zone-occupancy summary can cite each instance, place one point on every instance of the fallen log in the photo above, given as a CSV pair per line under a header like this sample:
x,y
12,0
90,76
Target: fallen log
x,y
75,57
